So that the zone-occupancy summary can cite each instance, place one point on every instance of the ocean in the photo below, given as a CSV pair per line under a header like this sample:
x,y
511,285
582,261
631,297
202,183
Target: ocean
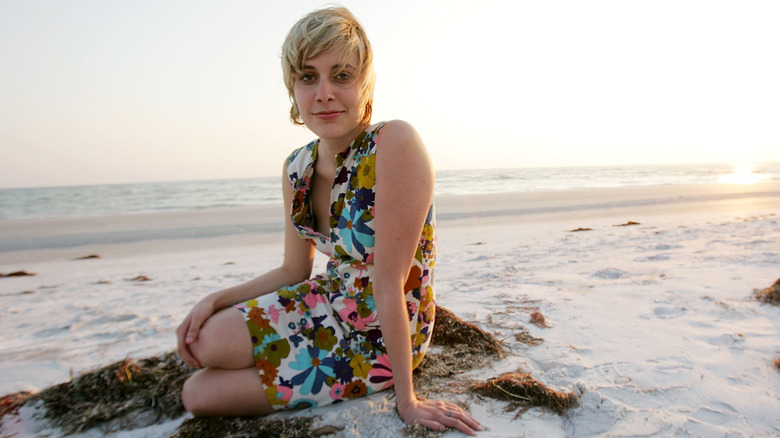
x,y
123,199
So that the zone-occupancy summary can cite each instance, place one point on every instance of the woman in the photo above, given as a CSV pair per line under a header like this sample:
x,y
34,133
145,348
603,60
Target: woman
x,y
362,194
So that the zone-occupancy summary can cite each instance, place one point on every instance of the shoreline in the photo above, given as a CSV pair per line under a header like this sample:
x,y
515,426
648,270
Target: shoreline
x,y
47,239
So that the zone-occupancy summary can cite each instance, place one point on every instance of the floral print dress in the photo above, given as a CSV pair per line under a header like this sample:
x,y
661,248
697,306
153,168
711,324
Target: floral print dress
x,y
319,342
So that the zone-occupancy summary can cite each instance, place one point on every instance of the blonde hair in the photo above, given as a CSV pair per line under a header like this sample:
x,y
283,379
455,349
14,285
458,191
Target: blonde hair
x,y
319,32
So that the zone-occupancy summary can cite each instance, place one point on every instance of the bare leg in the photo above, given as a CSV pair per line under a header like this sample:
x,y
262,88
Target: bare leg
x,y
214,391
224,342
230,385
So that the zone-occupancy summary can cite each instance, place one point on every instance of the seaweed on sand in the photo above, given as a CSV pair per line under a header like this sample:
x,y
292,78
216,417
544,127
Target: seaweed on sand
x,y
419,431
524,336
112,397
17,274
770,295
130,394
246,427
522,392
450,330
467,347
10,403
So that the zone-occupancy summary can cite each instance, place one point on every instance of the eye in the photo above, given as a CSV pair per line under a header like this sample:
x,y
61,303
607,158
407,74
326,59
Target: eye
x,y
343,76
306,78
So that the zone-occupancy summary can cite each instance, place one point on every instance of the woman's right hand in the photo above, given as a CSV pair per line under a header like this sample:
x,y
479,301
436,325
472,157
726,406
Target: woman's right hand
x,y
438,416
188,330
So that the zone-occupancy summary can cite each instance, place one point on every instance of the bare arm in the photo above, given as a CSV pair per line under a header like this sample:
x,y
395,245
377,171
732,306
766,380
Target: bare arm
x,y
296,267
403,196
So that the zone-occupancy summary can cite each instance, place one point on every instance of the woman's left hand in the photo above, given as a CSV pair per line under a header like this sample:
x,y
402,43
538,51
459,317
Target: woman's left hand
x,y
439,415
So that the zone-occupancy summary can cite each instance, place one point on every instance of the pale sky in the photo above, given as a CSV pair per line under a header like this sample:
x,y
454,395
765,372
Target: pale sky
x,y
110,91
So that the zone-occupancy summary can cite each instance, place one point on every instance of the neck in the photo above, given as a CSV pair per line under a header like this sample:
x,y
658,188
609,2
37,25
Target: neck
x,y
334,146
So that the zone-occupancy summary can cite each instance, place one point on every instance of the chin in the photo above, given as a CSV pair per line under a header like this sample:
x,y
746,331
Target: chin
x,y
332,129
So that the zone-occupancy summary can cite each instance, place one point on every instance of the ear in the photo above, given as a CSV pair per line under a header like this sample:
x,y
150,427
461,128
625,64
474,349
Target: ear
x,y
367,112
295,113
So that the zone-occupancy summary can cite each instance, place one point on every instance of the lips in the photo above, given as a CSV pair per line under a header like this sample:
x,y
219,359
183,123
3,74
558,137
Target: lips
x,y
327,115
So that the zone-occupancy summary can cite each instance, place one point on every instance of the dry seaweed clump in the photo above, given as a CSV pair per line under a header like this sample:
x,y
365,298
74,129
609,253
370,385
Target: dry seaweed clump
x,y
418,431
467,347
523,392
10,403
525,337
113,397
245,427
770,295
449,330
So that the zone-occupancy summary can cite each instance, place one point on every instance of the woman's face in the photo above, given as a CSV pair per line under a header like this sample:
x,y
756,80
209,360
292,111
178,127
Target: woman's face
x,y
328,98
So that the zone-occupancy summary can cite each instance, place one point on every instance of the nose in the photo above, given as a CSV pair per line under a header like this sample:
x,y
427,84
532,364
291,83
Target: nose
x,y
324,91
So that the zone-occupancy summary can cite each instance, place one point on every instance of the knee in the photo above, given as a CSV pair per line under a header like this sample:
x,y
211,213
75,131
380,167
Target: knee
x,y
223,342
191,398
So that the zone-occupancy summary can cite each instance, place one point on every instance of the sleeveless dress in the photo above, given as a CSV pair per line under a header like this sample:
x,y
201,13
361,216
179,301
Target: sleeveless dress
x,y
319,342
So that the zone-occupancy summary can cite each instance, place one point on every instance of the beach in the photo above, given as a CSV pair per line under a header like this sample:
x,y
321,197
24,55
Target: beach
x,y
649,305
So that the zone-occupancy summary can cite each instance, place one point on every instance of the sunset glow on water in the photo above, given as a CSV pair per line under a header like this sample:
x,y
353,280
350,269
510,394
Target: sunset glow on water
x,y
743,174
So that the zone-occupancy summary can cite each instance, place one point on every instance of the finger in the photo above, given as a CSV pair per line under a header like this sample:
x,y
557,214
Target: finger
x,y
457,423
471,422
432,425
183,347
194,328
461,415
186,355
456,418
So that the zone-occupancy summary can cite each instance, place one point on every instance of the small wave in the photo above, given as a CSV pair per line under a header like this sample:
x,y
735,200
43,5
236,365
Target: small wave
x,y
122,199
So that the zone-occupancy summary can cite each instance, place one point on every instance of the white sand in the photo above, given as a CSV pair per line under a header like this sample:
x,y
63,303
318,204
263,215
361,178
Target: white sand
x,y
654,324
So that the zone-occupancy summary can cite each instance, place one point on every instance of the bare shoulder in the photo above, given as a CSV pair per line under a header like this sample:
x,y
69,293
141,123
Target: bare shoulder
x,y
402,157
398,140
400,132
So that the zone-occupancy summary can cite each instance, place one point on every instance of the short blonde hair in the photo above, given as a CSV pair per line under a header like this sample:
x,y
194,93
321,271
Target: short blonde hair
x,y
319,32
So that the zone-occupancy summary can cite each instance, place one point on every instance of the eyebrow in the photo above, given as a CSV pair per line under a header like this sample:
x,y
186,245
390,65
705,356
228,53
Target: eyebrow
x,y
334,67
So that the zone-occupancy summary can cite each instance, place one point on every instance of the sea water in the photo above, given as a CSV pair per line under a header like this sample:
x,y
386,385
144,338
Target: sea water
x,y
120,199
